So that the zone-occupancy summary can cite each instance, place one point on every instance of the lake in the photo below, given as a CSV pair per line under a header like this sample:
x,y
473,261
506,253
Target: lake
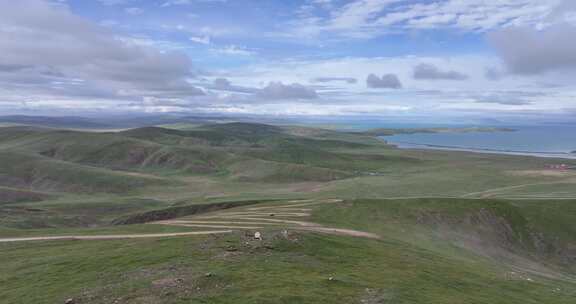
x,y
544,141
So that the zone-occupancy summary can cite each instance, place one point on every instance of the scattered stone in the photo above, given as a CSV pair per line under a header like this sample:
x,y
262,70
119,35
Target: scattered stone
x,y
70,301
208,274
331,279
257,236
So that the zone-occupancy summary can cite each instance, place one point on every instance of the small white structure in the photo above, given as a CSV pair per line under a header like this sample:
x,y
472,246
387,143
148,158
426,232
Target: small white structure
x,y
258,236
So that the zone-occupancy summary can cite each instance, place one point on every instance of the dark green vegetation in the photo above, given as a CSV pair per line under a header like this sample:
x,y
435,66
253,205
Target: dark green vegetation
x,y
456,227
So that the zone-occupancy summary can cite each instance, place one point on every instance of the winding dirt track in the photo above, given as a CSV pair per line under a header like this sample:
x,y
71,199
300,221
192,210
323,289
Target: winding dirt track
x,y
280,216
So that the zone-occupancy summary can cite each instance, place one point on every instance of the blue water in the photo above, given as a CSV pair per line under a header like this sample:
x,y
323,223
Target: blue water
x,y
551,141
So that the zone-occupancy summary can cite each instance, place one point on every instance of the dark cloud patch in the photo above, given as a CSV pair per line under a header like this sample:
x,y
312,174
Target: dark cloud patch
x,y
349,80
388,81
278,90
64,54
425,71
529,51
223,84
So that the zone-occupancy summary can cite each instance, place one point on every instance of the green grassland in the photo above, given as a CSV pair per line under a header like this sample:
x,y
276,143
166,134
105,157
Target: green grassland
x,y
415,261
455,227
52,177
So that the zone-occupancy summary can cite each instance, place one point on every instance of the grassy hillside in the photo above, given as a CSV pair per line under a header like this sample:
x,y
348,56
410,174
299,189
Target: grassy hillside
x,y
206,150
10,195
250,161
453,227
62,214
528,234
36,172
107,150
268,171
415,261
150,161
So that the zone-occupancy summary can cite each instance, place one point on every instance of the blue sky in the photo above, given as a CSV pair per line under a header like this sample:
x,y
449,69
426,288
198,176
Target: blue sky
x,y
401,58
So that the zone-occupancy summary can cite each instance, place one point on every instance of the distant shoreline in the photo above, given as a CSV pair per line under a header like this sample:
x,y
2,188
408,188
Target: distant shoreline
x,y
410,131
411,145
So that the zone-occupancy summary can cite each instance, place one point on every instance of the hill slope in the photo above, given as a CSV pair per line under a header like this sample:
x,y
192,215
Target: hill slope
x,y
415,260
73,161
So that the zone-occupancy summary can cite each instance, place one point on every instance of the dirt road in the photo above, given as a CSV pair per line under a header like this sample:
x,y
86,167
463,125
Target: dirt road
x,y
110,237
288,215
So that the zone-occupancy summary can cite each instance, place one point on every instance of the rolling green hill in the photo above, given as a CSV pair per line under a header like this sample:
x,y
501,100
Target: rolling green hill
x,y
21,170
61,161
246,161
210,149
450,227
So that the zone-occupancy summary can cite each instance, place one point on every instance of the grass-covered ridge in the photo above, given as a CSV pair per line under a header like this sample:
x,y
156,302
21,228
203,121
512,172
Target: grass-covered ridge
x,y
413,262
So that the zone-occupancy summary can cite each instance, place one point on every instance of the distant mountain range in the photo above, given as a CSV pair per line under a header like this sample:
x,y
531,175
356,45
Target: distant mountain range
x,y
114,122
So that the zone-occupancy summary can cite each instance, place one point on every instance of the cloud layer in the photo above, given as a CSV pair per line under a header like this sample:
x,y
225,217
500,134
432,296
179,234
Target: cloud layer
x,y
531,51
278,90
299,57
426,71
47,49
388,81
349,80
